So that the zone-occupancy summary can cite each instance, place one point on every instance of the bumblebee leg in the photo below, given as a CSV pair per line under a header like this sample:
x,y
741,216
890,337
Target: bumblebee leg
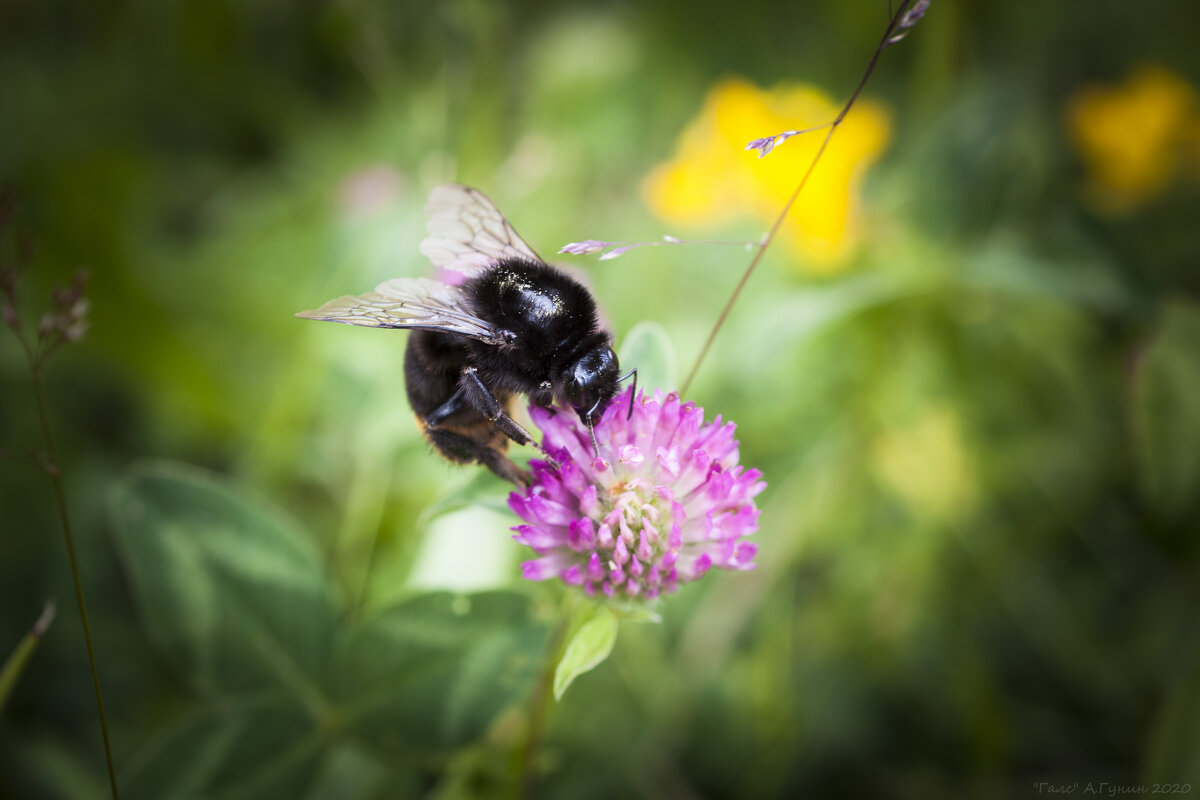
x,y
464,449
482,400
443,412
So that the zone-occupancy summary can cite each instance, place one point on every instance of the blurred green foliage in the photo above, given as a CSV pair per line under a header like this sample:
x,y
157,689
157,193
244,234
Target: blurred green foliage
x,y
978,556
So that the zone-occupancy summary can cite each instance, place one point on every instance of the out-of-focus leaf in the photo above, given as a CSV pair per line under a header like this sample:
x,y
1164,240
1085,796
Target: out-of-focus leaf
x,y
1085,279
648,347
229,590
636,613
802,312
482,489
1167,412
1173,754
349,772
52,766
248,752
431,673
587,648
464,551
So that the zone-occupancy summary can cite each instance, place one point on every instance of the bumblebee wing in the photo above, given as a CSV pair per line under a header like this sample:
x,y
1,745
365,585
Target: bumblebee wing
x,y
413,303
467,233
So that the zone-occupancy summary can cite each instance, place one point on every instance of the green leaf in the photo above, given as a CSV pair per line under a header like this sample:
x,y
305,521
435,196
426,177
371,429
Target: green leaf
x,y
591,643
635,612
51,765
481,489
352,772
1082,276
431,674
648,348
1167,412
228,589
1173,752
803,311
252,751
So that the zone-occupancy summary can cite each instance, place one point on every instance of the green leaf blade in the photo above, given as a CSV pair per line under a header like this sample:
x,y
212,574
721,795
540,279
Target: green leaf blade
x,y
1167,413
587,648
430,674
228,589
648,347
245,751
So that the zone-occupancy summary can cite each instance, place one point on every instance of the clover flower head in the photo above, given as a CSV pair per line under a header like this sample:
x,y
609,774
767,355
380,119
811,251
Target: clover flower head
x,y
663,503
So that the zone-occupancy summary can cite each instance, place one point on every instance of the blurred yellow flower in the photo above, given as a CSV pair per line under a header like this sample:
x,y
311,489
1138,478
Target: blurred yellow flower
x,y
928,466
1132,137
712,179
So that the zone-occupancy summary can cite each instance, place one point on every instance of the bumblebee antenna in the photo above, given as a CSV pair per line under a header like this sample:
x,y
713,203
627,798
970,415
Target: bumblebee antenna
x,y
632,373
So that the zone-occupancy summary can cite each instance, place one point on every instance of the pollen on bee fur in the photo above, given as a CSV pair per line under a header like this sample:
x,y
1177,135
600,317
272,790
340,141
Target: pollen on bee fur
x,y
421,426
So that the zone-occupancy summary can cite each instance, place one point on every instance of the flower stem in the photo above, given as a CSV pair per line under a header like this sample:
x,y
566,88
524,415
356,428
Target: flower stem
x,y
55,474
540,706
770,237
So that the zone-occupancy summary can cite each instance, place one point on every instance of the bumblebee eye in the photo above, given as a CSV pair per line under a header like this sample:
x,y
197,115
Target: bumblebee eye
x,y
573,389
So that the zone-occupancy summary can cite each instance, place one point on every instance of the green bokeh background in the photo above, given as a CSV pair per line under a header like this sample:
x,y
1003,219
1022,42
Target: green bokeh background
x,y
978,561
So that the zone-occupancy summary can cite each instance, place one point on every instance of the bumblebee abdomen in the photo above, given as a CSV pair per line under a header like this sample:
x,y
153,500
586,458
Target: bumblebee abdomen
x,y
433,363
433,367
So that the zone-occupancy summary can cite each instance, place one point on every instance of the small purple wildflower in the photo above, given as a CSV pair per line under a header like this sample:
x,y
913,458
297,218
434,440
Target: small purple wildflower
x,y
911,17
767,143
617,251
665,501
620,248
68,317
584,247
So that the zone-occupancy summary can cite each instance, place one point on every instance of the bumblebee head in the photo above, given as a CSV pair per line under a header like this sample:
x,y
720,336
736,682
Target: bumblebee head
x,y
590,383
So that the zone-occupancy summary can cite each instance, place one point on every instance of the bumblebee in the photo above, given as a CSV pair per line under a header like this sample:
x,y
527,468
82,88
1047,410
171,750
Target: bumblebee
x,y
499,323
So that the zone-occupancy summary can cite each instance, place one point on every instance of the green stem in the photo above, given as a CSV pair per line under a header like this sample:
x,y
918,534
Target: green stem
x,y
539,710
812,165
11,671
64,518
